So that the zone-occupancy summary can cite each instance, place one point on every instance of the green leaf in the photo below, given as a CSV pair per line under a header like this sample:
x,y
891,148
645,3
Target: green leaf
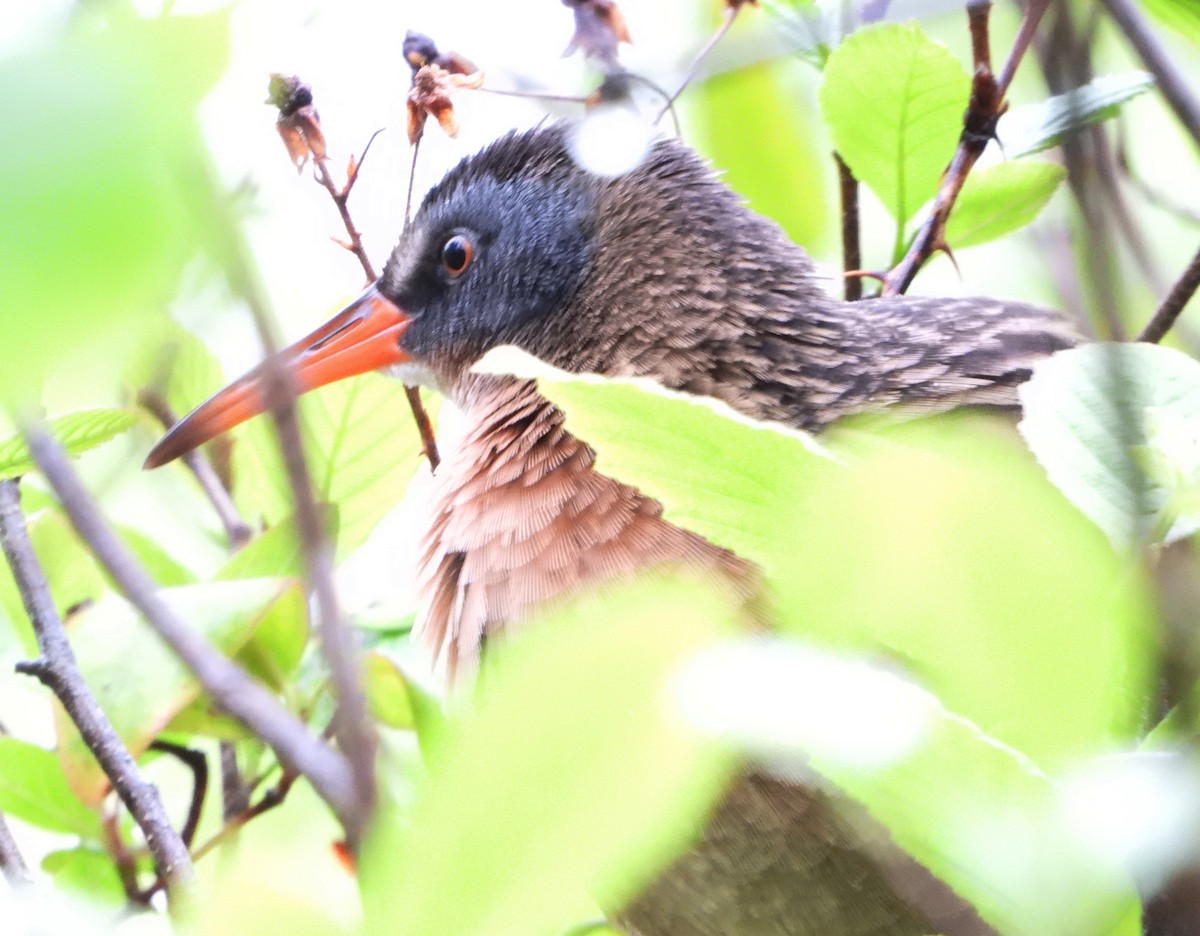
x,y
363,450
141,700
88,872
1035,127
715,472
277,646
1098,417
77,432
107,124
34,788
894,100
387,692
757,104
1181,15
976,812
568,774
1001,199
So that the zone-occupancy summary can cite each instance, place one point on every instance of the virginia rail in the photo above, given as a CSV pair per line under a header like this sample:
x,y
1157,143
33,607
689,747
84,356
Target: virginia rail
x,y
660,272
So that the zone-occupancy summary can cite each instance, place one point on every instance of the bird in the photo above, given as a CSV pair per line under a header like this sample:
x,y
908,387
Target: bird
x,y
659,272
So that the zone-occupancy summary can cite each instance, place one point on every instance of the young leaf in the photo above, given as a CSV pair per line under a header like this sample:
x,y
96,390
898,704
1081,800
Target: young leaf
x,y
1032,128
1114,427
894,100
88,872
568,774
1000,199
141,701
1181,15
387,692
76,432
34,788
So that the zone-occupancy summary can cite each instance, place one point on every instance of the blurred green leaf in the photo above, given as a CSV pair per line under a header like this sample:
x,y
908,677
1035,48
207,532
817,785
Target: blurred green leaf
x,y
943,548
34,788
1097,417
176,364
97,220
758,104
894,100
568,774
1181,15
387,692
88,872
277,646
1000,199
362,449
1032,128
76,432
142,700
973,810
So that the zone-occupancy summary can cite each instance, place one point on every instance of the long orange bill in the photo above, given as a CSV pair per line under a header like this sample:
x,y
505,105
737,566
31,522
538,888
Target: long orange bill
x,y
364,336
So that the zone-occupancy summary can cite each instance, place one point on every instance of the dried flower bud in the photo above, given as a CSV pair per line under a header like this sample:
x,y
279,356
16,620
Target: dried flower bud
x,y
298,123
430,96
599,29
420,50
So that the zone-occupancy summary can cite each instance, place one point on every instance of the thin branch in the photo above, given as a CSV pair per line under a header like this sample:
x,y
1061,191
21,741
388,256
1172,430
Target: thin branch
x,y
58,670
1181,293
197,763
12,862
851,246
730,14
979,128
354,802
235,792
1171,82
229,685
268,801
341,198
237,531
125,862
412,178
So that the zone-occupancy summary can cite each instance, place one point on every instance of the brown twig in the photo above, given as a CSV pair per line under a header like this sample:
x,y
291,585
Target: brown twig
x,y
1179,296
58,670
228,684
197,763
1170,81
235,792
269,800
341,198
979,127
12,862
851,245
237,531
125,862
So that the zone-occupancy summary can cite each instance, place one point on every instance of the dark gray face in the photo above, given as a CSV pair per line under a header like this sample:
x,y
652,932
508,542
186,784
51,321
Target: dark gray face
x,y
488,257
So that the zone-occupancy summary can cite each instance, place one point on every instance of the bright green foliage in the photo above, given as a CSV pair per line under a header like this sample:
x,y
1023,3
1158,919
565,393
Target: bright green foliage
x,y
725,123
1036,127
894,99
568,774
76,432
96,222
87,871
110,634
1181,15
362,448
387,692
999,200
34,788
1114,425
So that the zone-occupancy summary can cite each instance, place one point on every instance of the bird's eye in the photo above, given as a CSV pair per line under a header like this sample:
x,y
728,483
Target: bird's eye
x,y
456,255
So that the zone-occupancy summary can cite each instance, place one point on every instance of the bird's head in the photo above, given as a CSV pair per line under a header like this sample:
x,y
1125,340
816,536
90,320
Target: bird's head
x,y
520,245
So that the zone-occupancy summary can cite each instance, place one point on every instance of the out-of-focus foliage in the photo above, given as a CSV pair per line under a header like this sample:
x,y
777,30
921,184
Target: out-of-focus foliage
x,y
953,635
97,214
